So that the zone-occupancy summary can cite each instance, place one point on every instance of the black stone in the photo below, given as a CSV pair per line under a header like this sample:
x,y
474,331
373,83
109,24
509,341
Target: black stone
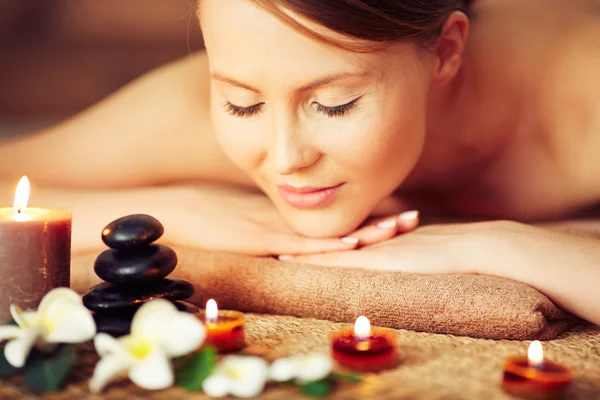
x,y
109,296
118,322
132,231
143,265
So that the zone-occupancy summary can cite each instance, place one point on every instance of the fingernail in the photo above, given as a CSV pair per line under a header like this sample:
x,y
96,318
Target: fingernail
x,y
409,216
350,240
391,223
285,257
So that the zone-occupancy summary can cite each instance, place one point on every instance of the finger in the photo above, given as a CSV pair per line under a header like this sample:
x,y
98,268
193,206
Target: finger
x,y
382,229
408,221
377,232
292,244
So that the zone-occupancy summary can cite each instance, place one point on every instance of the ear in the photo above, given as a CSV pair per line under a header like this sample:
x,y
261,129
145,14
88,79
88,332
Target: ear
x,y
449,48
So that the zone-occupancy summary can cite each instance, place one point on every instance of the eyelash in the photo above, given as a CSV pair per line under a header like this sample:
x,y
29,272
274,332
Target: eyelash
x,y
242,112
337,111
331,112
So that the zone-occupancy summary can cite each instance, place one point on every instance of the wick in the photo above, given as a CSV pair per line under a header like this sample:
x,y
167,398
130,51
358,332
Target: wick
x,y
536,365
212,320
360,338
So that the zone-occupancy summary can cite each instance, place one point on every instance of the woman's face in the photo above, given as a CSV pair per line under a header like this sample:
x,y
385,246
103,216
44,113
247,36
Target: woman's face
x,y
326,133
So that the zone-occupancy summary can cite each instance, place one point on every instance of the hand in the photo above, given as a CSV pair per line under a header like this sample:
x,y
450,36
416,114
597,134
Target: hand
x,y
381,226
380,229
237,220
432,249
389,219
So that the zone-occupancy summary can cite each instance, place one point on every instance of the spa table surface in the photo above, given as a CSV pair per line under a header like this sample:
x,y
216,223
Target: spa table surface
x,y
434,366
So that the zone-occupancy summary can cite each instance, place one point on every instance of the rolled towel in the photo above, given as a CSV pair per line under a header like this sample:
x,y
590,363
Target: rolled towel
x,y
466,305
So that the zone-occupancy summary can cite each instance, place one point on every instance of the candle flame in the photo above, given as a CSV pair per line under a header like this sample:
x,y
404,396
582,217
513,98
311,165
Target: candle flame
x,y
535,354
22,195
362,328
212,311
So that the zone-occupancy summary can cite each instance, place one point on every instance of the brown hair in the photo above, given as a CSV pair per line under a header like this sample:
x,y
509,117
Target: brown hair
x,y
374,22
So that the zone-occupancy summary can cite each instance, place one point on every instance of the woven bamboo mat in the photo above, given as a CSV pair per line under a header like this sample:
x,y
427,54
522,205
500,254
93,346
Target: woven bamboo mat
x,y
434,366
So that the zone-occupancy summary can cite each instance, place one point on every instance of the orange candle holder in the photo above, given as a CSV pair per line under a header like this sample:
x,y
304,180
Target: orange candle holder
x,y
532,377
364,349
224,328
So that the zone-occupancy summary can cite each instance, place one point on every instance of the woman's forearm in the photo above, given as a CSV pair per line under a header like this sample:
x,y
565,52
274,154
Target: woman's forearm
x,y
93,209
563,266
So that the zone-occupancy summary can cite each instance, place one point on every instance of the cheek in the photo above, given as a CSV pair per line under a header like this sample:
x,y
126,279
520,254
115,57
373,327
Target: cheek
x,y
384,143
239,138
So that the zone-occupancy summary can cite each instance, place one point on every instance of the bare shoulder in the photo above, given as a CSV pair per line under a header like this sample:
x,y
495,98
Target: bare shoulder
x,y
538,61
569,96
155,130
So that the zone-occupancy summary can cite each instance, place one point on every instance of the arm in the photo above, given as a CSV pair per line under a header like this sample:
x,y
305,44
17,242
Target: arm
x,y
155,130
107,161
565,267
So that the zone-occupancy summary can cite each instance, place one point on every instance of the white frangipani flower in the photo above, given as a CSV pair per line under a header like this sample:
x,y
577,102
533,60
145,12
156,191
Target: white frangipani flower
x,y
240,376
303,368
61,318
159,332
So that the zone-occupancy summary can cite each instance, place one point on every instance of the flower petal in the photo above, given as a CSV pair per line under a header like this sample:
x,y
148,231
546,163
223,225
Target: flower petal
x,y
313,367
216,385
151,316
106,369
16,313
250,375
178,333
68,322
153,372
30,318
181,333
106,344
62,293
17,350
9,332
284,369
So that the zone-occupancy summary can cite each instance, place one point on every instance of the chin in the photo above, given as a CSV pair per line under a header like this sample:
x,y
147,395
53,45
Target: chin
x,y
318,225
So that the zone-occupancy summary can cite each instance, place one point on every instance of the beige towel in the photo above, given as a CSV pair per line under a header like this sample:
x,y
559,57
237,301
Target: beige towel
x,y
467,305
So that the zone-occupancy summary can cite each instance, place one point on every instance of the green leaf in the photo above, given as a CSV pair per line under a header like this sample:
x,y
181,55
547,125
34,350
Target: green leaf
x,y
47,372
317,389
5,368
346,377
195,370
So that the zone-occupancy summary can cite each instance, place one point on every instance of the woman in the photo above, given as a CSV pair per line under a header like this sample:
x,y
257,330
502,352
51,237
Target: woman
x,y
344,110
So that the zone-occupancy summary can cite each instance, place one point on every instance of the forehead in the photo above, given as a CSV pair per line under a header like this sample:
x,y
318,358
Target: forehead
x,y
244,38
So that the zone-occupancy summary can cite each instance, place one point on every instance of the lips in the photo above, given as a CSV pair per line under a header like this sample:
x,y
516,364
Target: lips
x,y
308,197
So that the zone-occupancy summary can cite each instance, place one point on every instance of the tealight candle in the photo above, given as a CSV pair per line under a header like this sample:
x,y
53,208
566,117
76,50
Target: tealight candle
x,y
364,348
35,252
224,328
534,377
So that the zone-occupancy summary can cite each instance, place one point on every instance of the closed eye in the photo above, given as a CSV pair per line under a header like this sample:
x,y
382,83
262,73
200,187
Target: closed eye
x,y
337,111
243,112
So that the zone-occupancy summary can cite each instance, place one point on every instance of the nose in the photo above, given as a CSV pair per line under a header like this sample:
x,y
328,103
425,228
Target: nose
x,y
291,151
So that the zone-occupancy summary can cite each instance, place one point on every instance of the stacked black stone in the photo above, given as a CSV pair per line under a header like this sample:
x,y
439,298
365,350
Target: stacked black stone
x,y
135,272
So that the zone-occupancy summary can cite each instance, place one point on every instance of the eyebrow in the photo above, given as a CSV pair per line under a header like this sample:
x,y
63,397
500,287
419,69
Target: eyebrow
x,y
310,86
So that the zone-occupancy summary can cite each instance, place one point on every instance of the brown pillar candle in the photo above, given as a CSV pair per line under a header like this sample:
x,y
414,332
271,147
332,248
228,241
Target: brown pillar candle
x,y
35,252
